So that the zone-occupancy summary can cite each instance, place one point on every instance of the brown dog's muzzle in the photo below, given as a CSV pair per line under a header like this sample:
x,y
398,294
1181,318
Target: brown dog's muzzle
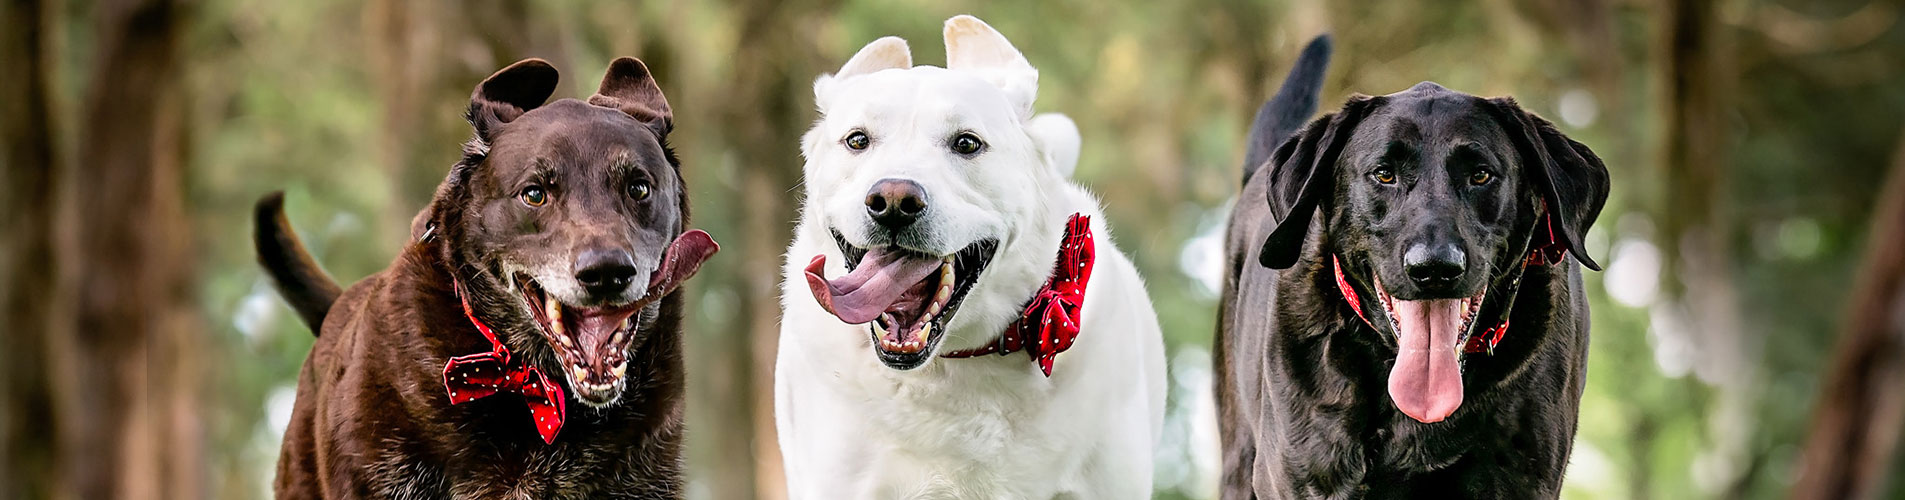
x,y
592,343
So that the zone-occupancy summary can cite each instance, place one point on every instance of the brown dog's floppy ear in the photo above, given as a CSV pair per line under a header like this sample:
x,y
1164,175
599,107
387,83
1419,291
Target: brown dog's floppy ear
x,y
1571,179
1305,173
629,87
509,93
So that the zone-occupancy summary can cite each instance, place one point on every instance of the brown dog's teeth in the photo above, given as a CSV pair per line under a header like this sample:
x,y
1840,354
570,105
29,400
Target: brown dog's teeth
x,y
620,370
579,374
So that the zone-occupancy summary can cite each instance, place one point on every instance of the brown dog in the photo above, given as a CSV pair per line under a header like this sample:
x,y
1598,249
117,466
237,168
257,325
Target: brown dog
x,y
544,270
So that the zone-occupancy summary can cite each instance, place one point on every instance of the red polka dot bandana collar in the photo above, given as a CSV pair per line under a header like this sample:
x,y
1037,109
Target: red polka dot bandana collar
x,y
1051,320
477,376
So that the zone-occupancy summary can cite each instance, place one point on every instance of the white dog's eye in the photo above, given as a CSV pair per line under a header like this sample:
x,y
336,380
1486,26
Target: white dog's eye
x,y
967,144
858,141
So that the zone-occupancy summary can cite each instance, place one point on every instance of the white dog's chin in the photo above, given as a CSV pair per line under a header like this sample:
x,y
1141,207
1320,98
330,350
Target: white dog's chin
x,y
908,296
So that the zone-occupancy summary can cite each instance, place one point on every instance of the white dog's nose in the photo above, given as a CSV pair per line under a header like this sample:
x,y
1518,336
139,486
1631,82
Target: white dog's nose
x,y
896,203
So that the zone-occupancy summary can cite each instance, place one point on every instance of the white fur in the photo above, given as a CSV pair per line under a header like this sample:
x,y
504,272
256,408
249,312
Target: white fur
x,y
986,427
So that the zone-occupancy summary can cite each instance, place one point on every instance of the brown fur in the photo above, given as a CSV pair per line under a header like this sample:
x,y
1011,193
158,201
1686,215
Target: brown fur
x,y
372,417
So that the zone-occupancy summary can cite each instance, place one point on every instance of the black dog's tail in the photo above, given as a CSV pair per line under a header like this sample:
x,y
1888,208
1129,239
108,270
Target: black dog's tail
x,y
297,276
1285,113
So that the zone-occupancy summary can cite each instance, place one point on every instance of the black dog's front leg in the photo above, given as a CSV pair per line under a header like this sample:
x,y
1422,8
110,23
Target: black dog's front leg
x,y
1318,458
1513,468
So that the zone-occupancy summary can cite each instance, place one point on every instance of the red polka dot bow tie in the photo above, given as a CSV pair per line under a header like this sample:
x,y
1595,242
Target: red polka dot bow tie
x,y
477,376
1051,320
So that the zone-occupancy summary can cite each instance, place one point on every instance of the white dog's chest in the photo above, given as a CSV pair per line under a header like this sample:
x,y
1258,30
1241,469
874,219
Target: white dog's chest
x,y
978,453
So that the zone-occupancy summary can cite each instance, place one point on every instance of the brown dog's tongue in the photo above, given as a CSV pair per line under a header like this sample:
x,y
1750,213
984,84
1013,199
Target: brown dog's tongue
x,y
1426,382
680,262
863,294
593,328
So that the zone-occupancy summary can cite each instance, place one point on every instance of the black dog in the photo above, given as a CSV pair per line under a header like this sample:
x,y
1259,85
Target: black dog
x,y
544,270
1370,354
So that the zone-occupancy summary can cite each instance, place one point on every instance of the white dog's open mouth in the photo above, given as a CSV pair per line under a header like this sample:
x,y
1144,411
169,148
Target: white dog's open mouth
x,y
908,296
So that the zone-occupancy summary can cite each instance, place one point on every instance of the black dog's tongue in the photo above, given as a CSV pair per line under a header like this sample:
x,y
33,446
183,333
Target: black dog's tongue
x,y
1426,382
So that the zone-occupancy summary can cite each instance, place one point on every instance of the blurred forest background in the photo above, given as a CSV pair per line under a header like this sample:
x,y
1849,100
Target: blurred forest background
x,y
1747,329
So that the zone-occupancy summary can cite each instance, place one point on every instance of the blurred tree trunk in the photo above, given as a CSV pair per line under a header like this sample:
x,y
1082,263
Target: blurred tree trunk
x,y
1855,428
767,97
399,38
1697,228
28,292
125,376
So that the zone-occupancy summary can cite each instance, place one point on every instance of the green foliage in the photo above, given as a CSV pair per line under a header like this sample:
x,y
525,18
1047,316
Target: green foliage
x,y
357,116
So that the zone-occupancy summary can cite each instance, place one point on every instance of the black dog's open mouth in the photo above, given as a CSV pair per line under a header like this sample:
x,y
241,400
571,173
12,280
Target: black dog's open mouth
x,y
908,296
592,343
1426,381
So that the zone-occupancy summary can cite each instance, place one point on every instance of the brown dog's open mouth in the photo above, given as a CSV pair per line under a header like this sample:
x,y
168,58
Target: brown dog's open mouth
x,y
908,296
592,343
1426,381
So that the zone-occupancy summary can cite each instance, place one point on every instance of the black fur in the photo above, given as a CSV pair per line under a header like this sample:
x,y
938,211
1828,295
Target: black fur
x,y
1304,407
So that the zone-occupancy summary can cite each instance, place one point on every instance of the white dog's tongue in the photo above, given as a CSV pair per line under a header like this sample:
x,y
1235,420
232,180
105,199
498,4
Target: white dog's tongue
x,y
1426,383
860,296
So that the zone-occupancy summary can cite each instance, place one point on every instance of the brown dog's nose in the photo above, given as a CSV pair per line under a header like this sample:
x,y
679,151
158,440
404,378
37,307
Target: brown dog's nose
x,y
896,203
605,273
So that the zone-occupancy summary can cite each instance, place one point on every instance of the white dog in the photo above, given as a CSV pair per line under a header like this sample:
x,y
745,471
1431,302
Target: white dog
x,y
944,213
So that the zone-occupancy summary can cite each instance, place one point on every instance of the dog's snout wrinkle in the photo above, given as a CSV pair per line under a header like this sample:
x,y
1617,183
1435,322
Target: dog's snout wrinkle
x,y
605,272
1434,264
896,203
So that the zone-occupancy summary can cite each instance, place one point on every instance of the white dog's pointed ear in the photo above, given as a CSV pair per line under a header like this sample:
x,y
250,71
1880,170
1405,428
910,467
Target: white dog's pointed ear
x,y
972,45
1057,138
886,53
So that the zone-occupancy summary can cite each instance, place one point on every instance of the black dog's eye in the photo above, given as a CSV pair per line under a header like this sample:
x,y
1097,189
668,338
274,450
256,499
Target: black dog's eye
x,y
858,141
533,196
967,144
1480,177
1384,175
638,190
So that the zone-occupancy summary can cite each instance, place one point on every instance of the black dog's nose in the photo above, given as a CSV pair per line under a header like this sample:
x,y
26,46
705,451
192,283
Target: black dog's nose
x,y
1433,265
605,273
896,203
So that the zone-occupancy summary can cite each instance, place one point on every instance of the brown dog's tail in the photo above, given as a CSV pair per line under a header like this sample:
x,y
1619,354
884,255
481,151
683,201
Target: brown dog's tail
x,y
299,279
1285,113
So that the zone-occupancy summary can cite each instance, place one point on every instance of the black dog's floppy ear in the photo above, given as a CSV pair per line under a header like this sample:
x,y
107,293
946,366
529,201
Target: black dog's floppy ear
x,y
1304,173
1571,179
629,87
509,93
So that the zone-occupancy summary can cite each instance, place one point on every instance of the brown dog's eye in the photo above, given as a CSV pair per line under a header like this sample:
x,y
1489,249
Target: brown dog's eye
x,y
1384,175
638,190
1480,177
858,141
967,144
533,196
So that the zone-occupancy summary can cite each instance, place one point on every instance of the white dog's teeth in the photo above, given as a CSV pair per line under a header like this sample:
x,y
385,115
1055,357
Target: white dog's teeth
x,y
926,329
